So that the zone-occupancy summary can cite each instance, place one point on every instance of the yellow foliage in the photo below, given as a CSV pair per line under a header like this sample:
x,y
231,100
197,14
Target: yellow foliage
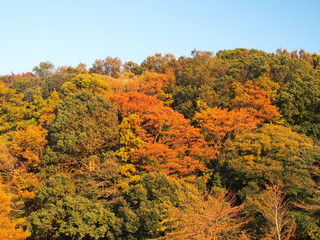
x,y
47,112
90,82
29,143
8,229
128,170
26,184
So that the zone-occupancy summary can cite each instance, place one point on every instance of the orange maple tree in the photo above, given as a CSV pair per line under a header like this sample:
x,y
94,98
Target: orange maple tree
x,y
218,123
257,102
170,143
250,107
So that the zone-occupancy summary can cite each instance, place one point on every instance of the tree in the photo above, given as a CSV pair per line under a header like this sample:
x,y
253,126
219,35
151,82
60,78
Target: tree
x,y
218,124
80,69
26,85
316,61
109,66
9,230
14,112
9,79
159,63
205,217
73,218
44,69
251,97
198,70
169,142
273,206
132,67
298,101
144,205
267,152
54,82
84,126
47,111
65,214
244,64
7,161
84,82
149,83
28,144
252,161
152,83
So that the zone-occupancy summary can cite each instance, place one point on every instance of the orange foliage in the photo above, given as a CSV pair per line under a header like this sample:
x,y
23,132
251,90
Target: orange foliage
x,y
26,184
170,143
159,157
150,83
154,116
217,123
8,79
8,229
47,112
255,100
28,143
251,107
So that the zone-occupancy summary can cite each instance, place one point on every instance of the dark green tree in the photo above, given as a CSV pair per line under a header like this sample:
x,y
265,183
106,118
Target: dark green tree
x,y
63,214
144,206
84,128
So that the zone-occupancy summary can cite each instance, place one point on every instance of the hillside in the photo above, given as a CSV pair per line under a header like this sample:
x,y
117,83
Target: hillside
x,y
211,146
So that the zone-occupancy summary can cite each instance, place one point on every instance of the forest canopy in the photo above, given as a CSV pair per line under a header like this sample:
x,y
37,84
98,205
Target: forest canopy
x,y
210,146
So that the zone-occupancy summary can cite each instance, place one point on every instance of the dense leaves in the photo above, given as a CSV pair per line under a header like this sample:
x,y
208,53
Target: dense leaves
x,y
84,126
210,146
167,141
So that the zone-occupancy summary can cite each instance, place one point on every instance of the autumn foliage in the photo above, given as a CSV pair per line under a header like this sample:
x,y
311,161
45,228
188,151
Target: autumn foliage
x,y
9,230
206,146
168,142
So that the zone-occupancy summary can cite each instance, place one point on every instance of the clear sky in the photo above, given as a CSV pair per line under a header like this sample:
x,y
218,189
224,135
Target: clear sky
x,y
67,32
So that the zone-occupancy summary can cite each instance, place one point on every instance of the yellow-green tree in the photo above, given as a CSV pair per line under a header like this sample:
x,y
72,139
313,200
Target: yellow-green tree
x,y
86,82
14,112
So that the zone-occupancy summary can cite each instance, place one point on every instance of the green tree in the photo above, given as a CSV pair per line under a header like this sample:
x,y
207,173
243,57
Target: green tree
x,y
145,204
132,67
299,101
270,155
65,215
27,86
84,127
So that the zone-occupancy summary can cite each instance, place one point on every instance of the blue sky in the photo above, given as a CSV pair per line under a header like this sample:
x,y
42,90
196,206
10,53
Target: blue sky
x,y
67,32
